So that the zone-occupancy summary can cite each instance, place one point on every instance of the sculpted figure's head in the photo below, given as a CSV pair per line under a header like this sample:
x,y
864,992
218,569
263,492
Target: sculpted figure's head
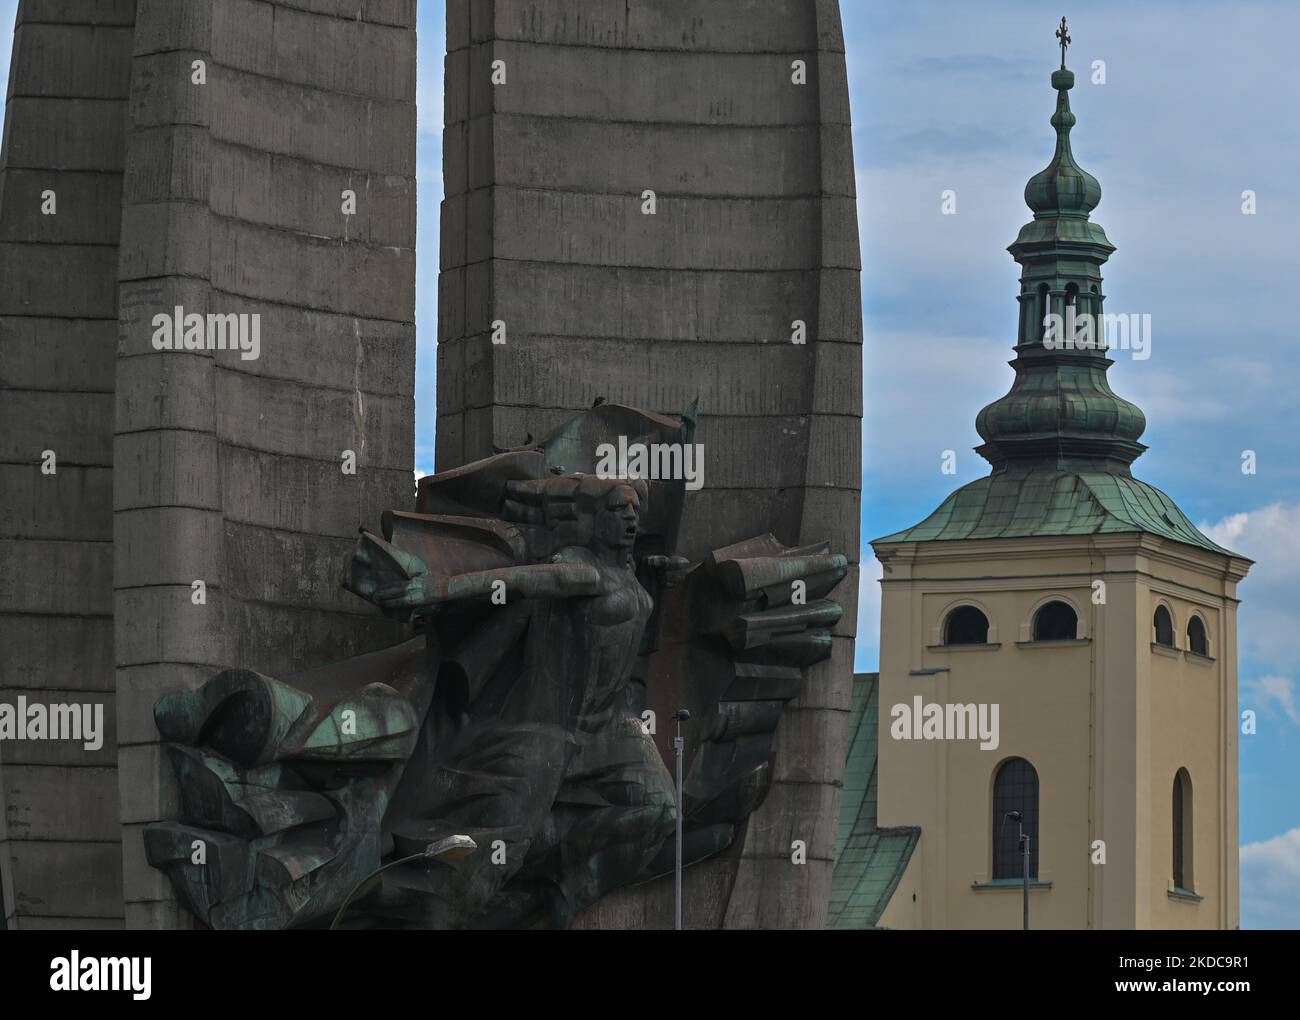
x,y
580,510
609,510
618,517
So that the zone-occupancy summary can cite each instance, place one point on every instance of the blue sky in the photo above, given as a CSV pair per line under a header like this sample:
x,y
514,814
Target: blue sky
x,y
1199,105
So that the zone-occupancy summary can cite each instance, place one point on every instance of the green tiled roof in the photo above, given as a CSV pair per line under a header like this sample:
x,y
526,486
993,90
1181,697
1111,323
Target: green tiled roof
x,y
1042,502
869,861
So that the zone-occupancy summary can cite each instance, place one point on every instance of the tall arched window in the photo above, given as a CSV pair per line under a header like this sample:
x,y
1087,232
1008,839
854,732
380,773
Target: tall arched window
x,y
1197,640
1044,309
1183,831
1071,315
1056,621
966,626
1015,788
1099,326
1164,624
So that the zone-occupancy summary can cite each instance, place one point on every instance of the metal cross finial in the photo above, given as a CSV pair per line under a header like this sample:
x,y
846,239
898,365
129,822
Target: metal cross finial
x,y
1063,33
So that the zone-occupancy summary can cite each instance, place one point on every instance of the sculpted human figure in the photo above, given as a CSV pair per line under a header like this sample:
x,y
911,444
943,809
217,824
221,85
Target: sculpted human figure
x,y
547,622
556,777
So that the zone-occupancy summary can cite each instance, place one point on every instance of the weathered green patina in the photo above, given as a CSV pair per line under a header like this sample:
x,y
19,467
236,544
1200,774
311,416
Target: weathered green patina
x,y
1046,502
1060,408
869,860
554,625
1060,442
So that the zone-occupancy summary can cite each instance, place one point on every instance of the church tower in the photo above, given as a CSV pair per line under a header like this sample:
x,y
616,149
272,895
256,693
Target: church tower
x,y
1058,641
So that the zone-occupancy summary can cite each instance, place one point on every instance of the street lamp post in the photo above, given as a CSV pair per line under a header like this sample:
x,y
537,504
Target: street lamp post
x,y
1024,850
679,745
1017,817
450,848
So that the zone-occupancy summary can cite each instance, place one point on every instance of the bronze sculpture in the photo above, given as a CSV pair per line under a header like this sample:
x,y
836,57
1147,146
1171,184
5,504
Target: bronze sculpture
x,y
552,625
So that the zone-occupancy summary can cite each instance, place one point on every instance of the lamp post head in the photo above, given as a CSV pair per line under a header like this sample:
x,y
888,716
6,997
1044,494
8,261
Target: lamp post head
x,y
451,848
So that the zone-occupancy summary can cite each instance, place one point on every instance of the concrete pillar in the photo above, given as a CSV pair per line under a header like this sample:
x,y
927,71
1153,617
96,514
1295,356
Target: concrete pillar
x,y
546,230
60,195
249,121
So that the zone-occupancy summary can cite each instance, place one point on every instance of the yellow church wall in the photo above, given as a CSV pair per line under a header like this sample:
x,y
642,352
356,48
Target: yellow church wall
x,y
1194,729
1104,720
905,906
1041,690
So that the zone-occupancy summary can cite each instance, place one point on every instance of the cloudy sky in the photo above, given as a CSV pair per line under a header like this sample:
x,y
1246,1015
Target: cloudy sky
x,y
1199,104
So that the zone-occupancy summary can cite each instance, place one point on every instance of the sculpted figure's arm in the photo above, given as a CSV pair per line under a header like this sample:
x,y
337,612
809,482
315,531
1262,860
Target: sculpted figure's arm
x,y
533,581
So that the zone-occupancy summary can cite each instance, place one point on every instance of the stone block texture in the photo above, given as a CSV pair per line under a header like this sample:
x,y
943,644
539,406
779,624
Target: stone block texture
x,y
544,230
60,209
231,470
201,152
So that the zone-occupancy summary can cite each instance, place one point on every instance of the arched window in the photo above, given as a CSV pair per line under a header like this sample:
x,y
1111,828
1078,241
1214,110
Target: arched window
x,y
1183,831
1056,621
1044,309
1197,640
1015,788
966,626
1070,313
1164,624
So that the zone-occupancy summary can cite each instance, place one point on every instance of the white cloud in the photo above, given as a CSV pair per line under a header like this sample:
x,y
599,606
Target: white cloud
x,y
1270,882
432,36
936,383
867,644
1270,594
1269,689
8,18
1228,531
428,98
